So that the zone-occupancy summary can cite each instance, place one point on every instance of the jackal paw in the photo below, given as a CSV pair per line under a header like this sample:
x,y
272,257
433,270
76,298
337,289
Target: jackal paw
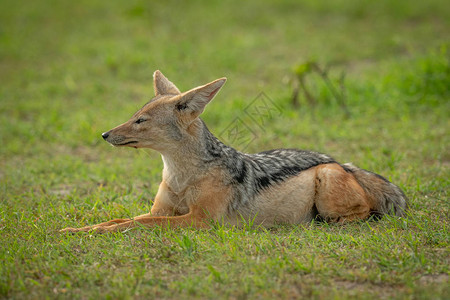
x,y
92,229
74,230
70,230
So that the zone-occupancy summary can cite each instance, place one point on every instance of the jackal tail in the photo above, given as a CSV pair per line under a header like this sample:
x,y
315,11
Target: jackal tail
x,y
385,197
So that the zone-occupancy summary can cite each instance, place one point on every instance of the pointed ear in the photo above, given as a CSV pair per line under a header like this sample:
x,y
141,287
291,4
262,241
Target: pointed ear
x,y
195,100
162,85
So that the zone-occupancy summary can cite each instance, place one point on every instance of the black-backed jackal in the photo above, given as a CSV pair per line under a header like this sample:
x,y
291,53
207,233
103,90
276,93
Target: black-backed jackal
x,y
204,180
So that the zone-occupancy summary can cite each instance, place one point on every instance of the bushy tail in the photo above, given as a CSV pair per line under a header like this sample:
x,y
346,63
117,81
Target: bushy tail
x,y
385,197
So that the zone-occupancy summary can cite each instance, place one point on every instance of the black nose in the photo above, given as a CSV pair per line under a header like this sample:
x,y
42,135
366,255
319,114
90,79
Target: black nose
x,y
105,135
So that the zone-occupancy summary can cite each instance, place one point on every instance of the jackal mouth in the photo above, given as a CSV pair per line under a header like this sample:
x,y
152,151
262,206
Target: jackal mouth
x,y
127,143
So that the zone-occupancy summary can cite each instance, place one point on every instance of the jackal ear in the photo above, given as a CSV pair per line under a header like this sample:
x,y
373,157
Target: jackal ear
x,y
195,100
162,85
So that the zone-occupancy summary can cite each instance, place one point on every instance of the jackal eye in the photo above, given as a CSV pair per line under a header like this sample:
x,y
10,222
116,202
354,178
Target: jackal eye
x,y
140,120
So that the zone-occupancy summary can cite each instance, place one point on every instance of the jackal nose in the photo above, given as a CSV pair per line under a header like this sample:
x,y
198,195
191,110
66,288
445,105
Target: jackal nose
x,y
105,135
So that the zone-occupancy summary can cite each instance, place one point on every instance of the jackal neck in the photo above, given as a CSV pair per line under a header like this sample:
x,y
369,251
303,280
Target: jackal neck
x,y
197,153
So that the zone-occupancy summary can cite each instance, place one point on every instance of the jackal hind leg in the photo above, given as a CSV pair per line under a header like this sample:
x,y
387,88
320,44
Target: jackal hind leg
x,y
339,198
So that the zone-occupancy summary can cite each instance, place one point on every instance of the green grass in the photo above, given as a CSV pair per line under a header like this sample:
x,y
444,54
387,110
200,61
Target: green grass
x,y
70,70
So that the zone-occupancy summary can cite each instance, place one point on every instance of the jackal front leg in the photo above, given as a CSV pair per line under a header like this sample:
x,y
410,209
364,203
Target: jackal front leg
x,y
104,224
210,205
161,207
191,219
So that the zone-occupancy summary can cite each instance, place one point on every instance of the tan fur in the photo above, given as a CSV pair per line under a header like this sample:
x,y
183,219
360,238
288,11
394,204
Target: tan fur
x,y
289,202
339,197
166,203
162,85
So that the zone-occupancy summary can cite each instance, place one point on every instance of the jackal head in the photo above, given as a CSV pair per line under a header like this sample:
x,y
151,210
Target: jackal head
x,y
167,119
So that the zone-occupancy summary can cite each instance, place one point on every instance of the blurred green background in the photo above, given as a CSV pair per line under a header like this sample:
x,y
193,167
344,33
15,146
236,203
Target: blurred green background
x,y
70,70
